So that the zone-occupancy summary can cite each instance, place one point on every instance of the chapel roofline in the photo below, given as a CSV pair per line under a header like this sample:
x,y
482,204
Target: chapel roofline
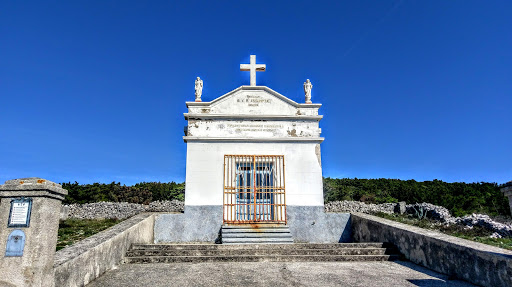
x,y
250,117
254,88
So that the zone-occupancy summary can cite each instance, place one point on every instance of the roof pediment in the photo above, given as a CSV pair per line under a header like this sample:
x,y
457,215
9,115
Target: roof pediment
x,y
253,101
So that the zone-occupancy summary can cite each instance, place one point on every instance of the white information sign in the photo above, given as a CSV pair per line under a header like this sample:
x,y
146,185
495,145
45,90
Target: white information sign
x,y
19,213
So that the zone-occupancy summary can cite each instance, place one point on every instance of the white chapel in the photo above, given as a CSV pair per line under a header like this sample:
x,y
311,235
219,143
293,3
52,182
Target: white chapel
x,y
253,157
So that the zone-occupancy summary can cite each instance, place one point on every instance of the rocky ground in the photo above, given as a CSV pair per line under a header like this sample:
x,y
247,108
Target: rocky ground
x,y
500,228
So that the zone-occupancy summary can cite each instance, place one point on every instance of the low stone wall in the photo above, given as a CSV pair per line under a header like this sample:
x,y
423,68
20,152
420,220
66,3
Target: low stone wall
x,y
84,261
119,210
471,261
429,210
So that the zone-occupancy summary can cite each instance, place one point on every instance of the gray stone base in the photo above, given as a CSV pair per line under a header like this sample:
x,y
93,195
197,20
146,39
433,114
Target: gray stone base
x,y
203,223
311,224
196,224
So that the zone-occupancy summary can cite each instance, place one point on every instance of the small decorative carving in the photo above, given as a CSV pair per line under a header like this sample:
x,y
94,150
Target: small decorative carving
x,y
307,90
199,89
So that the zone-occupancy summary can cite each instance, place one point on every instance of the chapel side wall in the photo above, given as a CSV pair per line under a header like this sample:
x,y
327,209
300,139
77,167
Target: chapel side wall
x,y
204,172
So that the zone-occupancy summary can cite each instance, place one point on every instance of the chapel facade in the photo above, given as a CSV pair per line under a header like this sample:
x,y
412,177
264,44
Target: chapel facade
x,y
253,156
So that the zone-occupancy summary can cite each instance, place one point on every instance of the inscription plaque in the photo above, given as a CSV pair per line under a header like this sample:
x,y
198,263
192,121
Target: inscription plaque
x,y
19,215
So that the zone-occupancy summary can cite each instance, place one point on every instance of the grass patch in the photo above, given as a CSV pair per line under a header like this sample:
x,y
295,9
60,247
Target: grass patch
x,y
505,243
73,230
477,234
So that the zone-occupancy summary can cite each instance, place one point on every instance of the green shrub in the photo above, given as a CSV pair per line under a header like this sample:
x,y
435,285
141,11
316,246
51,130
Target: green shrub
x,y
142,193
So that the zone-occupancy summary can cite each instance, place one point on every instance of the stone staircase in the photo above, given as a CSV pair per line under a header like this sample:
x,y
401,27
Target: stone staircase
x,y
256,234
174,253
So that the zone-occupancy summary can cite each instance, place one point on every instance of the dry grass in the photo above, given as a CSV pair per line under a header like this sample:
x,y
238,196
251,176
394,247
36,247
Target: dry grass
x,y
73,230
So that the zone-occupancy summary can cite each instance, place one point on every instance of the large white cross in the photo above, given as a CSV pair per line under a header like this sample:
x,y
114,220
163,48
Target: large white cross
x,y
253,68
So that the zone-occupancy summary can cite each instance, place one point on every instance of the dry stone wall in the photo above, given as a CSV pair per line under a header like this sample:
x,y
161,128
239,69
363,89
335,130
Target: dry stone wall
x,y
500,229
118,210
358,206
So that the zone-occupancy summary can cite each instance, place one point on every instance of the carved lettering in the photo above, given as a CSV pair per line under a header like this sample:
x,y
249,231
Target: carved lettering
x,y
255,127
254,100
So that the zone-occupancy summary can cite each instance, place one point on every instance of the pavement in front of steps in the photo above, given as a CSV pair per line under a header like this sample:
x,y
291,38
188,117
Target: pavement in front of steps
x,y
382,274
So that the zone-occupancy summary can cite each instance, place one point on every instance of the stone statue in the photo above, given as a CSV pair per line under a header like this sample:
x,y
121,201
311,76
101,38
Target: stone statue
x,y
307,90
199,89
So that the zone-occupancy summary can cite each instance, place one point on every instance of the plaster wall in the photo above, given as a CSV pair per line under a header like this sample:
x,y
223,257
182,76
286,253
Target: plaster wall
x,y
311,224
196,224
254,129
204,171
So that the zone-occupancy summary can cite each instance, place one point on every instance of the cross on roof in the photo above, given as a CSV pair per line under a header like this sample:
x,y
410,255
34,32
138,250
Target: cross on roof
x,y
253,68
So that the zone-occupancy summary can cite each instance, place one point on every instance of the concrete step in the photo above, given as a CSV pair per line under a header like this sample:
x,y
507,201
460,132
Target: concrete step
x,y
259,230
259,258
257,240
256,234
259,252
256,226
169,253
181,246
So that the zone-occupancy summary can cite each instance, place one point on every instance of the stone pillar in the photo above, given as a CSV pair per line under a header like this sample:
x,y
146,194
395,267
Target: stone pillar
x,y
29,220
507,191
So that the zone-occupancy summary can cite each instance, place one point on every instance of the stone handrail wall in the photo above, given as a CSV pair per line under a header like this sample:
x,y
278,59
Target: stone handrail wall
x,y
477,263
84,261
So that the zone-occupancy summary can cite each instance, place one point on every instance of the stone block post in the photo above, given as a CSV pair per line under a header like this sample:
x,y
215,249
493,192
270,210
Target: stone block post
x,y
507,191
29,221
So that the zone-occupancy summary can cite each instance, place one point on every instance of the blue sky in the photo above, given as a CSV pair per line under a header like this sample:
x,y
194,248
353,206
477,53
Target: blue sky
x,y
94,91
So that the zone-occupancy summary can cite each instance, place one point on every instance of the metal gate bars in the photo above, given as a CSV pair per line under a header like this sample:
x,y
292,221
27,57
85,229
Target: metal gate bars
x,y
254,189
